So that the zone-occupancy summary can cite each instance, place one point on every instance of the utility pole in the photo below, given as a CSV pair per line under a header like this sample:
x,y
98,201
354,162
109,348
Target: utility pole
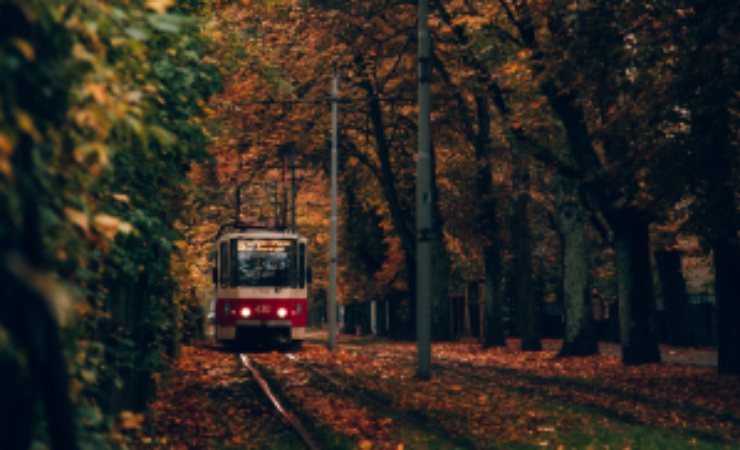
x,y
331,303
293,189
284,188
238,206
424,226
276,205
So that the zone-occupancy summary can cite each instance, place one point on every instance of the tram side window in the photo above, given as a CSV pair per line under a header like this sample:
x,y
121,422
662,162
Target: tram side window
x,y
224,271
301,265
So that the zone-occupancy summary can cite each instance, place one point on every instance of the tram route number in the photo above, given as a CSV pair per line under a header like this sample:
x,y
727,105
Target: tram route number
x,y
263,309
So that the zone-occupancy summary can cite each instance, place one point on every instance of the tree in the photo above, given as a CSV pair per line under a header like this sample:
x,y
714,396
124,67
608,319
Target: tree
x,y
675,299
613,163
707,87
580,336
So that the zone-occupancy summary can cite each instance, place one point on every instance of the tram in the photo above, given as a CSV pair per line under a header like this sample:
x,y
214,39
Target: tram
x,y
261,279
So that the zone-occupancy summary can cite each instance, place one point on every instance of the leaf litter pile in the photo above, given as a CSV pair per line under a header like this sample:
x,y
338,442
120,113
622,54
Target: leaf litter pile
x,y
367,396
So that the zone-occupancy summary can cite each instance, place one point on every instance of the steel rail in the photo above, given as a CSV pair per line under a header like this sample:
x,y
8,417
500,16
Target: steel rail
x,y
298,427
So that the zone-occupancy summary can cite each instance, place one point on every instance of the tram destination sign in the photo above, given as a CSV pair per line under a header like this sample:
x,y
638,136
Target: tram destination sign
x,y
264,245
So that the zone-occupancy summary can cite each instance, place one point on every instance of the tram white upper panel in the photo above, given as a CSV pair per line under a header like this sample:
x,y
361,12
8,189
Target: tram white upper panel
x,y
260,234
261,293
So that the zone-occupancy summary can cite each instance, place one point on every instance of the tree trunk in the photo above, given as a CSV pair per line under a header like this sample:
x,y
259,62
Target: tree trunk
x,y
528,310
494,335
466,322
580,338
441,318
726,249
493,323
727,282
673,291
711,83
400,217
632,242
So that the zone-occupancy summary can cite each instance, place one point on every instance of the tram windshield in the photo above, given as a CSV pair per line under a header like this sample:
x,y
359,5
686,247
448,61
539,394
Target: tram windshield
x,y
265,262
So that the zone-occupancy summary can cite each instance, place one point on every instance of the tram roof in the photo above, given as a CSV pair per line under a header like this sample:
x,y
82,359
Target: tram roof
x,y
256,232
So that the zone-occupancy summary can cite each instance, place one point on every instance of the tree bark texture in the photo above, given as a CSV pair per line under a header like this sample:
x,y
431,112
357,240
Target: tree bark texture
x,y
725,216
441,316
528,309
727,276
675,300
494,333
580,337
636,303
467,329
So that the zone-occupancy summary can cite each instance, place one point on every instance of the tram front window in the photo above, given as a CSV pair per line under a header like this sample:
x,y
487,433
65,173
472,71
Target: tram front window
x,y
265,262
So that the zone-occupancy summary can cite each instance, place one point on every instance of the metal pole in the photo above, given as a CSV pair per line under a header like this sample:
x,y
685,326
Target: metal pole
x,y
276,205
293,190
424,203
238,206
284,188
332,301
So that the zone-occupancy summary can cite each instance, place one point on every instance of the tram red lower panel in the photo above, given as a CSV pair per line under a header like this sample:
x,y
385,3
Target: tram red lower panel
x,y
231,310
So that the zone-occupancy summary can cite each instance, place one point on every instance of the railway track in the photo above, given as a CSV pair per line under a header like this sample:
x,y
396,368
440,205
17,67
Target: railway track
x,y
298,427
404,426
327,382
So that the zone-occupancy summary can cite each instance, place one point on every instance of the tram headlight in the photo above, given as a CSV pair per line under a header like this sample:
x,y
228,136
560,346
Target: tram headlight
x,y
282,312
245,312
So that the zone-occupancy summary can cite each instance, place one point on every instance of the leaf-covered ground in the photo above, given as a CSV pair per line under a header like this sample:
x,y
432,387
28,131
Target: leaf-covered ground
x,y
211,402
365,395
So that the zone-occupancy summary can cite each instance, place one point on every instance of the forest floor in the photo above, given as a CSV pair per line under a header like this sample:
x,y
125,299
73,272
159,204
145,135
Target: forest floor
x,y
365,395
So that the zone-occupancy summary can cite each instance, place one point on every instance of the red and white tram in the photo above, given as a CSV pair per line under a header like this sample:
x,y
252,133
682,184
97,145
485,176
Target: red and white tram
x,y
261,279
